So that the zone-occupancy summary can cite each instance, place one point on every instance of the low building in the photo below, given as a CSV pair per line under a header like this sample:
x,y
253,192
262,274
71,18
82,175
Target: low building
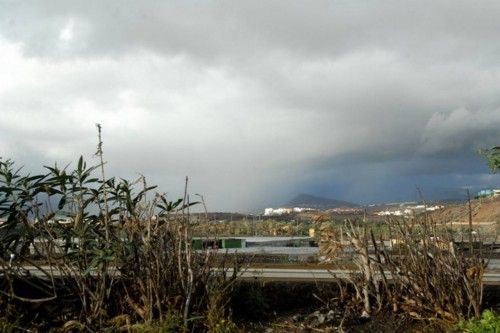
x,y
268,211
488,193
485,193
409,210
433,208
277,211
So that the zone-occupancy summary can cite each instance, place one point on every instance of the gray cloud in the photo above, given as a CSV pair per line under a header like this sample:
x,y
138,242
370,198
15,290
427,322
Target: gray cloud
x,y
256,102
456,131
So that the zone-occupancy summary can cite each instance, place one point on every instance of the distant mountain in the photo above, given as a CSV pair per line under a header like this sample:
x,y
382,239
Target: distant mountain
x,y
311,201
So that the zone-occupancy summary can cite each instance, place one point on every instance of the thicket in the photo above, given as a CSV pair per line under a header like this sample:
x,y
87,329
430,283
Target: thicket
x,y
248,227
420,272
124,261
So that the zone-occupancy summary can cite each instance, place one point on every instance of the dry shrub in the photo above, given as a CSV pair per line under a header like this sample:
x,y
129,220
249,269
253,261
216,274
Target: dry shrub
x,y
418,270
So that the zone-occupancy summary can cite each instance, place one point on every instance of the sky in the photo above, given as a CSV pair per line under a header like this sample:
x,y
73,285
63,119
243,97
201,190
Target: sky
x,y
257,101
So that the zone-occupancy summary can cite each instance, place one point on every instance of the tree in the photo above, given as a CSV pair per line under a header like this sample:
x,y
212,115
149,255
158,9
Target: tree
x,y
492,155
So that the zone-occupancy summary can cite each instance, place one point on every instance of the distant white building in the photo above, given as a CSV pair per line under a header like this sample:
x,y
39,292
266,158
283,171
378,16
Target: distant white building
x,y
409,211
488,193
433,208
282,211
268,211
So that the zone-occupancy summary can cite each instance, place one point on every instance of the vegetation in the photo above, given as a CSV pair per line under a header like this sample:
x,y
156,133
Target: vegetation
x,y
430,277
124,260
267,227
489,322
492,155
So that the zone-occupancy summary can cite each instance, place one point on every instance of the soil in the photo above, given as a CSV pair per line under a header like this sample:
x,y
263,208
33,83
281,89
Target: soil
x,y
309,307
485,210
380,323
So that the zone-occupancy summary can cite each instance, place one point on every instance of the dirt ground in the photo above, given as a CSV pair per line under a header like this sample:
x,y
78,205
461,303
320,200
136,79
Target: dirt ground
x,y
310,307
484,211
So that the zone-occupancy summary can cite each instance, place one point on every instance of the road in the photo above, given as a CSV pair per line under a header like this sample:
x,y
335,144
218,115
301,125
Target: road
x,y
323,275
290,273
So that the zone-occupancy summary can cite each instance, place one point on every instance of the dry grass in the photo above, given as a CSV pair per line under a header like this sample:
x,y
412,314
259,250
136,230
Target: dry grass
x,y
423,276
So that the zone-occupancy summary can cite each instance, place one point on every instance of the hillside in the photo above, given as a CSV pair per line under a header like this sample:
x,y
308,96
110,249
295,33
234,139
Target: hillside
x,y
483,210
311,201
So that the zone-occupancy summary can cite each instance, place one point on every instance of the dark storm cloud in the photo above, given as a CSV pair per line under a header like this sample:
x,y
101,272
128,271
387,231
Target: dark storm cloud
x,y
256,102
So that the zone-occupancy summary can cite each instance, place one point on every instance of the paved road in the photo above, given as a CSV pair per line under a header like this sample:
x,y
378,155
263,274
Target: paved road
x,y
491,276
322,275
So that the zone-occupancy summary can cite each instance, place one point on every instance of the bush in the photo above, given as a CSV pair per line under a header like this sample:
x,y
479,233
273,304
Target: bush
x,y
488,323
121,250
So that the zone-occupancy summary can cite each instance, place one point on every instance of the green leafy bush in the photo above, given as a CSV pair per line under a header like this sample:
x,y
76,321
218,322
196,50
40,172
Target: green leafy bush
x,y
488,323
492,155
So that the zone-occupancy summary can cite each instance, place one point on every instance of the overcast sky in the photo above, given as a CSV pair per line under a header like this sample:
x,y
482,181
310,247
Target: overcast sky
x,y
257,101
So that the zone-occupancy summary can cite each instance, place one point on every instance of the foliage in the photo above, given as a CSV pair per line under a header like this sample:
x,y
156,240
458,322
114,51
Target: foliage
x,y
489,322
492,155
9,320
172,323
223,326
218,297
246,227
121,248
